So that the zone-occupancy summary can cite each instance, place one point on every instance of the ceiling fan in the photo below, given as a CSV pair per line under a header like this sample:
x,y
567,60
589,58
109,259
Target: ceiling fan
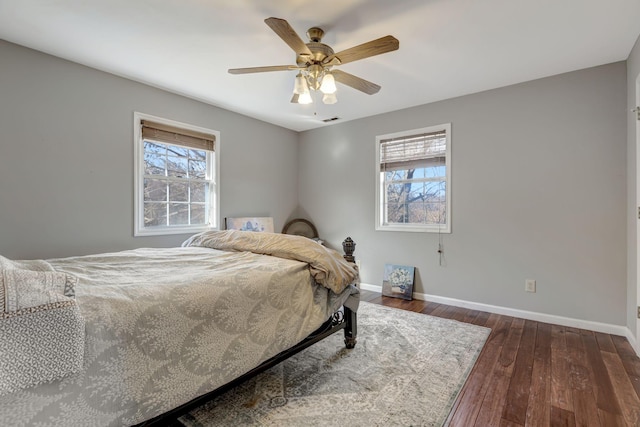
x,y
315,61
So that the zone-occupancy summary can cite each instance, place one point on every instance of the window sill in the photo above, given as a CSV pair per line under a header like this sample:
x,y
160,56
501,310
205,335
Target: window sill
x,y
412,228
165,231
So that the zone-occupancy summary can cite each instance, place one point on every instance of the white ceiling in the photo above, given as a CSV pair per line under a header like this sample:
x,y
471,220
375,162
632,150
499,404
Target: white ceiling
x,y
448,48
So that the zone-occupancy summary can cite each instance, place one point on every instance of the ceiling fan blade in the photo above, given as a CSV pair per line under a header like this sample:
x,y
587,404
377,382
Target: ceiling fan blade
x,y
262,69
288,34
365,50
355,82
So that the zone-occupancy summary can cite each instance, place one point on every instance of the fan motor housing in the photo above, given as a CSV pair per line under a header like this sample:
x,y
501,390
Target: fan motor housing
x,y
319,50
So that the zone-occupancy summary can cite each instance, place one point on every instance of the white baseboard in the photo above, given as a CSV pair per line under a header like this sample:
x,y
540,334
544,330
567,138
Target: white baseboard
x,y
529,315
633,342
372,288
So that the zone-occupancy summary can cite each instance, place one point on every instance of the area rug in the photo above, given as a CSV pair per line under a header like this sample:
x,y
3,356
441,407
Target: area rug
x,y
406,370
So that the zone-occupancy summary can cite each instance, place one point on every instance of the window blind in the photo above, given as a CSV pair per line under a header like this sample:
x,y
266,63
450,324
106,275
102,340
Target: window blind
x,y
177,136
414,151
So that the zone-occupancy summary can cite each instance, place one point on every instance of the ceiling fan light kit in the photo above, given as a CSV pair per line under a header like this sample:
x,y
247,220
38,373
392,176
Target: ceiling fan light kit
x,y
315,61
316,79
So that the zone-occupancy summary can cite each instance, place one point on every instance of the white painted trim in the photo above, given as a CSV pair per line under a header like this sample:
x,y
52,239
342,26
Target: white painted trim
x,y
372,288
636,335
524,314
632,341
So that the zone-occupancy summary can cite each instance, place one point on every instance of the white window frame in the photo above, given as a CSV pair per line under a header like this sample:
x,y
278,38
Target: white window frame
x,y
413,227
138,178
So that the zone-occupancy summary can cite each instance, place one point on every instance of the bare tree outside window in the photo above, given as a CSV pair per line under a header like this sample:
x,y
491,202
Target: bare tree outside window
x,y
410,201
175,185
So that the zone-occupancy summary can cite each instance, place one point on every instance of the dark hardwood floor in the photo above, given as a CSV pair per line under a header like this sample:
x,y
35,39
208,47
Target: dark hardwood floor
x,y
537,374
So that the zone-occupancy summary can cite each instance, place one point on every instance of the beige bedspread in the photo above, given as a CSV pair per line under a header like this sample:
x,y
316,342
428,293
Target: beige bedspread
x,y
166,325
326,265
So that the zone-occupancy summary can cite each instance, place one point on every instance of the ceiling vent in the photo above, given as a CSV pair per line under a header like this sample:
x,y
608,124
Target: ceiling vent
x,y
332,119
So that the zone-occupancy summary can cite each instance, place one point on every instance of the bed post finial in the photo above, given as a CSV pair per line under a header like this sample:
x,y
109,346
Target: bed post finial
x,y
349,246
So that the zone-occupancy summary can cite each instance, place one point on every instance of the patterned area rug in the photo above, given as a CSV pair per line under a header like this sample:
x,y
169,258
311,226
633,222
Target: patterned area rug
x,y
406,369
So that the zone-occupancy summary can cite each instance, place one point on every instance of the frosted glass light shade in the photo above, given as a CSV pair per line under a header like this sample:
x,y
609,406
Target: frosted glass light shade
x,y
300,85
305,98
328,84
329,98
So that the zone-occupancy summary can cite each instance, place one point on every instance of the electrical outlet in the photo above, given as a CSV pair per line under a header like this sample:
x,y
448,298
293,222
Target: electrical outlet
x,y
639,312
359,264
530,285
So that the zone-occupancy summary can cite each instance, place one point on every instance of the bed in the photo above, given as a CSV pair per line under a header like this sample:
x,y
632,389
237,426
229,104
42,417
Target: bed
x,y
141,336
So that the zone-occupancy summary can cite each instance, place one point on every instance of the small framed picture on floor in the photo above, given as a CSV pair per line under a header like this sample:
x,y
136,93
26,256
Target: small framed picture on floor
x,y
398,281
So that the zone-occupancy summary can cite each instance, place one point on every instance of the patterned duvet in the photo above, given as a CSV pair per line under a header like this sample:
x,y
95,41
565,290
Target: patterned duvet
x,y
166,325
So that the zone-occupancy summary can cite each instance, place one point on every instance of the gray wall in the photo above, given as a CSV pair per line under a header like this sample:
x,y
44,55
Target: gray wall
x,y
66,157
538,187
633,71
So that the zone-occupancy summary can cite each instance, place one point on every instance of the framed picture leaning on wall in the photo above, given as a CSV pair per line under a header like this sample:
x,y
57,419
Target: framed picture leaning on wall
x,y
397,281
250,224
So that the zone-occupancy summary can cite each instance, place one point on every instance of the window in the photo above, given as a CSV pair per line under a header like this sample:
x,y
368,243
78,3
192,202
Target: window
x,y
176,177
413,180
